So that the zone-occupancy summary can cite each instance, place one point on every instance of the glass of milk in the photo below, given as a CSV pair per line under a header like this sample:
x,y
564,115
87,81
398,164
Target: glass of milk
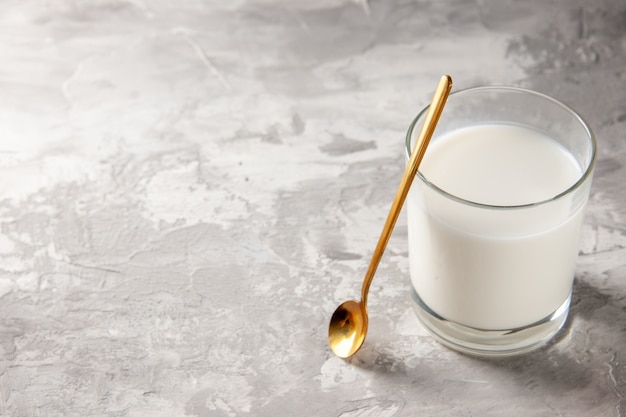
x,y
494,218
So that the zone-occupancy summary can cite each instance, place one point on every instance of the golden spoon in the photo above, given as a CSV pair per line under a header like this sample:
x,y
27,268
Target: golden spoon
x,y
348,325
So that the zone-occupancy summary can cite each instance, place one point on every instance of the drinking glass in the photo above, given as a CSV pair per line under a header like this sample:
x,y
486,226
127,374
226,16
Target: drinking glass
x,y
496,279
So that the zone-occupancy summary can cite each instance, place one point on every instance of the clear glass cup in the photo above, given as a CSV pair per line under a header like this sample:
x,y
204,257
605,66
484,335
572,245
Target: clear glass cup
x,y
496,279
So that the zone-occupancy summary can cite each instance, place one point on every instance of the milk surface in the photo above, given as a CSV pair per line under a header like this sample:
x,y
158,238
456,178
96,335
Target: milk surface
x,y
487,267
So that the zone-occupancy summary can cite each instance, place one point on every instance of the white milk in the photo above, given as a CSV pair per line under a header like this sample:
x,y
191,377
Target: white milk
x,y
494,268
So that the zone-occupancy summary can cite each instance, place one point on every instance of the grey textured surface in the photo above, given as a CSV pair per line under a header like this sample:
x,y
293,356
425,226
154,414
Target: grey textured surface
x,y
188,189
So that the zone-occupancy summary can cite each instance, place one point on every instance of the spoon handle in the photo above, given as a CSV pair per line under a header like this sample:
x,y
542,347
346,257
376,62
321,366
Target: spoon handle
x,y
426,132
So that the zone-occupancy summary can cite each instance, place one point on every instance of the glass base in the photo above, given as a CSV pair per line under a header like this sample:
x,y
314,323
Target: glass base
x,y
491,342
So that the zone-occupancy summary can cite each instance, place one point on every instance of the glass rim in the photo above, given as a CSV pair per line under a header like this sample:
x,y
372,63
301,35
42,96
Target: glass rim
x,y
583,177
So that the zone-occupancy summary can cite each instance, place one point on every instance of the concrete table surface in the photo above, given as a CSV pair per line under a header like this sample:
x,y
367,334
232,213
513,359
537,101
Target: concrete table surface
x,y
189,188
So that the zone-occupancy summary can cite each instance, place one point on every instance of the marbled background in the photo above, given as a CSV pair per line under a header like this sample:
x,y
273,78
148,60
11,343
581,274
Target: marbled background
x,y
189,188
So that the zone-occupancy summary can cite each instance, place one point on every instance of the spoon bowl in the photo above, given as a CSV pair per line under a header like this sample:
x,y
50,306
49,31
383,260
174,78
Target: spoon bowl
x,y
348,325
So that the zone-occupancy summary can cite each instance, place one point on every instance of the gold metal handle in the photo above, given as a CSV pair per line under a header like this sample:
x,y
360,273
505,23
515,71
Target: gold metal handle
x,y
426,132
